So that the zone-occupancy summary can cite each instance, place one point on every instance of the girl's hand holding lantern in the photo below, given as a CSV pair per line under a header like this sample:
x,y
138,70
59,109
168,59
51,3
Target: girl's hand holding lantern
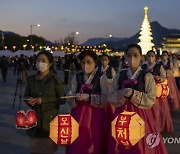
x,y
127,92
157,78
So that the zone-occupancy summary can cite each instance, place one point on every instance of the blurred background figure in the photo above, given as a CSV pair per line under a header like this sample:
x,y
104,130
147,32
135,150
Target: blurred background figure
x,y
176,72
67,69
23,68
4,67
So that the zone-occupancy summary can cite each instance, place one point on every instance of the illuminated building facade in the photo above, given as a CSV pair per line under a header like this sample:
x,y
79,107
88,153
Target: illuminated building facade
x,y
172,43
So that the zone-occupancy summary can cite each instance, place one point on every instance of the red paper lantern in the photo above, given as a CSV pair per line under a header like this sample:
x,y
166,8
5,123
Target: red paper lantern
x,y
64,129
31,118
20,119
25,120
128,128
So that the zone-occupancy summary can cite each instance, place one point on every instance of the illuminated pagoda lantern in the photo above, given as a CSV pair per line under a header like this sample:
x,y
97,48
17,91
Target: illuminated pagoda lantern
x,y
146,34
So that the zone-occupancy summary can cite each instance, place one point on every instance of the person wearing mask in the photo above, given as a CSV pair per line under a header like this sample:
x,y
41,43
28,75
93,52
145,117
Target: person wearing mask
x,y
134,91
43,92
105,68
89,107
174,97
161,107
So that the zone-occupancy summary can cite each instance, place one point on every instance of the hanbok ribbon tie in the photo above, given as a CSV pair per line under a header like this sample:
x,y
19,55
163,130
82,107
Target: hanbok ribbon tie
x,y
103,72
165,67
129,82
86,87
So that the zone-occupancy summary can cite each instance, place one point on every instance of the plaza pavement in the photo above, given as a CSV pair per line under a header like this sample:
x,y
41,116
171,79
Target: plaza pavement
x,y
14,141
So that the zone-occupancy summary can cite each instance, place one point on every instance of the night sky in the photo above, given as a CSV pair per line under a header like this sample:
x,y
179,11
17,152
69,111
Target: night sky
x,y
91,18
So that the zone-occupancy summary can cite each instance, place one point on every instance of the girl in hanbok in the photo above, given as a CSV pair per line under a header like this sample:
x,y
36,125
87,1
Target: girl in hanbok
x,y
105,68
122,65
176,73
89,108
110,73
161,107
174,97
134,91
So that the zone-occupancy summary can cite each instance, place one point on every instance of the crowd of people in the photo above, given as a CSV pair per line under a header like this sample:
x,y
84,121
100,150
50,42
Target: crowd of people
x,y
103,87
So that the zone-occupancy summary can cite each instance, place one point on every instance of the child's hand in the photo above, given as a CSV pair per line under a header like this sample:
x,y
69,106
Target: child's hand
x,y
157,78
127,92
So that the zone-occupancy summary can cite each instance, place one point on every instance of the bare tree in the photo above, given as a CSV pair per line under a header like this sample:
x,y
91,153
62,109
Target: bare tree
x,y
71,38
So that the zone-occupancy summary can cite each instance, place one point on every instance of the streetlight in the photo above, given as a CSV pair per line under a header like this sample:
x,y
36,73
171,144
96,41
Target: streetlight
x,y
77,33
109,36
31,30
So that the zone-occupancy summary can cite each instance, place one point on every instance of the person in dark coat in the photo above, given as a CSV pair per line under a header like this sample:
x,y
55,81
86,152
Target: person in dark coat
x,y
23,68
43,92
4,67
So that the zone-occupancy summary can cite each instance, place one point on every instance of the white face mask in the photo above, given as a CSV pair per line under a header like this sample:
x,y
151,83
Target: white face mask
x,y
132,62
87,69
42,67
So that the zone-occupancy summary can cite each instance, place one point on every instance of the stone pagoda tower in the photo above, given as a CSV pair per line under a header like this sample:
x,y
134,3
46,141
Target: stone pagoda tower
x,y
146,34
